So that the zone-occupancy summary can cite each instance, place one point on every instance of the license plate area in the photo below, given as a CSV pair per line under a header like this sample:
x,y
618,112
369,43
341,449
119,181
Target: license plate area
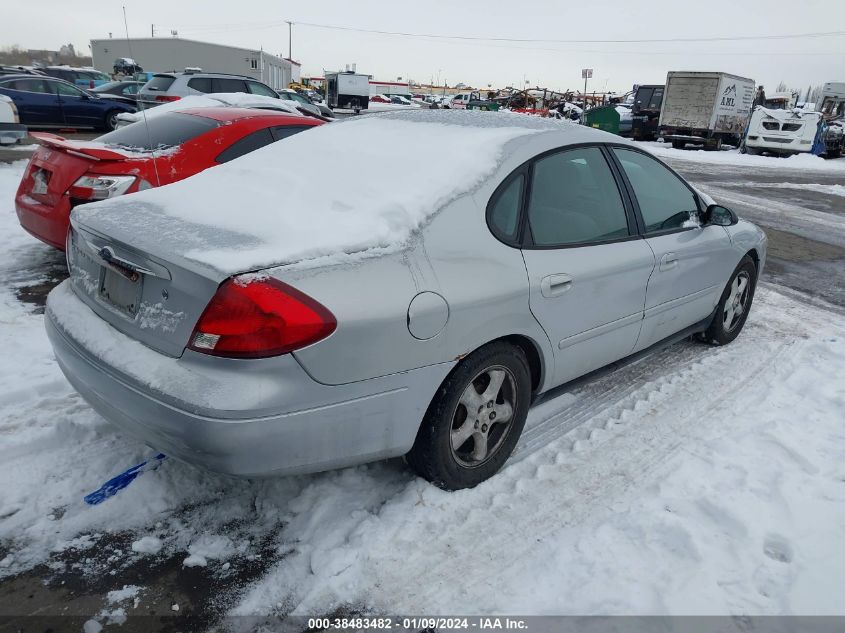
x,y
41,181
119,292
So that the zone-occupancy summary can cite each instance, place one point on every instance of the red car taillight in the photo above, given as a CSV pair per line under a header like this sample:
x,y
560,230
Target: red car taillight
x,y
94,187
259,318
166,98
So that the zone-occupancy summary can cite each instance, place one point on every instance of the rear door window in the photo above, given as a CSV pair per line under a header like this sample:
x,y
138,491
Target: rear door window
x,y
260,89
160,83
203,84
247,144
166,130
221,84
575,200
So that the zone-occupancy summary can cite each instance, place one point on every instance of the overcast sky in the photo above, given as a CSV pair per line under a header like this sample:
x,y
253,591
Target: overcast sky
x,y
260,23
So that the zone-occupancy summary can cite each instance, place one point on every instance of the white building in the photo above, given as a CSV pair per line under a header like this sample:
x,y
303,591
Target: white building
x,y
162,54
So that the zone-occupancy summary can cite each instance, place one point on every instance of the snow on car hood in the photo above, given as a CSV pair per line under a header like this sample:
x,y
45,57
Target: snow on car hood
x,y
341,188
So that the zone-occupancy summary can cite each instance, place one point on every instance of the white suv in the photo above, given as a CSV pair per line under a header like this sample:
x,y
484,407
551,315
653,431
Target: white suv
x,y
165,87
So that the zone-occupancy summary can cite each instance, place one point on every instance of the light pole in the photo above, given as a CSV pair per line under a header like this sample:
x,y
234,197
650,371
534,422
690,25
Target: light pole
x,y
290,40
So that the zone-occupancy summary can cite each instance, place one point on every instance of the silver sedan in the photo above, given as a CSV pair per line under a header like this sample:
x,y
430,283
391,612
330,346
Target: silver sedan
x,y
565,250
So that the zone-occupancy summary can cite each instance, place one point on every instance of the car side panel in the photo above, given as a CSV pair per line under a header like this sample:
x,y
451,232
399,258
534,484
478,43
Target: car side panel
x,y
482,281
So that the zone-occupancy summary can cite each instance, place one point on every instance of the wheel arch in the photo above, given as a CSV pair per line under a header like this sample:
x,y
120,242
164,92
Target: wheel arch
x,y
534,356
754,255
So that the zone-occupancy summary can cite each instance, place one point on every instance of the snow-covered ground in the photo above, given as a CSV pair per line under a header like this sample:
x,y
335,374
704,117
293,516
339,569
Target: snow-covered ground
x,y
698,480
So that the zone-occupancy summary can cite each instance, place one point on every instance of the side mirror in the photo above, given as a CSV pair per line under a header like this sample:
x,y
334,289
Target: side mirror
x,y
718,215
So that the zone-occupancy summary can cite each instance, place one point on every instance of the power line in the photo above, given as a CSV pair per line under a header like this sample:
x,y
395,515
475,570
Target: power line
x,y
517,40
738,38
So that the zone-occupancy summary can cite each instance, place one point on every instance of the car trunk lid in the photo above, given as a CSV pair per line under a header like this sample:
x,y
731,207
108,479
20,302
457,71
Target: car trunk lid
x,y
58,164
153,299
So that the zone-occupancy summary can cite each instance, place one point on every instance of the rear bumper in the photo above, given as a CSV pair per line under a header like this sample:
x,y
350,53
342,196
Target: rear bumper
x,y
11,133
237,429
48,223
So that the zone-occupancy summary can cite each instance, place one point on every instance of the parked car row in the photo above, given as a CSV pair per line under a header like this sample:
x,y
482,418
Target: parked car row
x,y
47,102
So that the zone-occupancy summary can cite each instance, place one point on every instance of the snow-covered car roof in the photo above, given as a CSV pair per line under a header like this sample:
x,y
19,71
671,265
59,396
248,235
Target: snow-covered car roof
x,y
345,193
213,100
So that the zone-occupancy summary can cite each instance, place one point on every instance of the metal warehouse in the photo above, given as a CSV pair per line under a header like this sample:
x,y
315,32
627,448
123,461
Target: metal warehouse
x,y
161,54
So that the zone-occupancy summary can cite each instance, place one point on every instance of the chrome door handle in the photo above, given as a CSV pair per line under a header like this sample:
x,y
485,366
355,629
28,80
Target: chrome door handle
x,y
668,261
554,285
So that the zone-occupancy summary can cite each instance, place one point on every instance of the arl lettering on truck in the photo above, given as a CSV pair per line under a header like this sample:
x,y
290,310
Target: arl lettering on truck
x,y
729,100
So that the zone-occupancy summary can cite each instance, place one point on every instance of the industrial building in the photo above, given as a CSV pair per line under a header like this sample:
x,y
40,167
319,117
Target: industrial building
x,y
162,54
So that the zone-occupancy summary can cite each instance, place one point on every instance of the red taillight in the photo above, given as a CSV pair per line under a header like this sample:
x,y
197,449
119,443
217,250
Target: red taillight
x,y
259,318
166,98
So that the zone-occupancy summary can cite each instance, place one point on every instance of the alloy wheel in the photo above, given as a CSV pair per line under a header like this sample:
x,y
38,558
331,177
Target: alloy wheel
x,y
736,303
482,417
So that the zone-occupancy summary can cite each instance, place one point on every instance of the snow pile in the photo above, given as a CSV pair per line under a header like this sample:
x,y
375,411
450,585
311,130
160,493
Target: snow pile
x,y
323,192
147,545
733,157
789,115
213,100
129,592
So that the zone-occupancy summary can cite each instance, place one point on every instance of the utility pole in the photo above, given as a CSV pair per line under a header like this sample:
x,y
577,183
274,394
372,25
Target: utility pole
x,y
290,39
152,30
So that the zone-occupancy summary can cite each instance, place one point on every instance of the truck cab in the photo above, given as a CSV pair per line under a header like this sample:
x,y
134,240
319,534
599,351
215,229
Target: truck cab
x,y
462,99
645,112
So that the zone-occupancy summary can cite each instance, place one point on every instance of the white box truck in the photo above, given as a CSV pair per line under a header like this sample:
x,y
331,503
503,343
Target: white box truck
x,y
705,108
348,90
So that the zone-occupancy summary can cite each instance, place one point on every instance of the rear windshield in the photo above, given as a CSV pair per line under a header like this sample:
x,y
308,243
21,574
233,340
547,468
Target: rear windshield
x,y
159,83
160,132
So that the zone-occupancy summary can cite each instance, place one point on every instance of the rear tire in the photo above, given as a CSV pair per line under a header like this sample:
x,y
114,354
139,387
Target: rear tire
x,y
734,305
475,419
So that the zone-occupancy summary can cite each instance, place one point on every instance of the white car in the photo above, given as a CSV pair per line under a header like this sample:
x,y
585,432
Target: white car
x,y
11,129
782,132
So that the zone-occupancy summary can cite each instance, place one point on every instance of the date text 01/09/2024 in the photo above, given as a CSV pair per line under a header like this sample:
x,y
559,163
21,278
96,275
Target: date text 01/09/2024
x,y
417,623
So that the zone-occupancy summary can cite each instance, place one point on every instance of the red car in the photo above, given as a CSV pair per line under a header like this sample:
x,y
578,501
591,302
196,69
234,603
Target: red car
x,y
65,173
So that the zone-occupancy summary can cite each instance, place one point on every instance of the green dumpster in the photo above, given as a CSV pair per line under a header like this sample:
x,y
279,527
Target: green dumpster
x,y
604,118
483,104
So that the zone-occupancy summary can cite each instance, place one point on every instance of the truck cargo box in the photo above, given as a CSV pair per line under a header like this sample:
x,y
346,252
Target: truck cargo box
x,y
702,106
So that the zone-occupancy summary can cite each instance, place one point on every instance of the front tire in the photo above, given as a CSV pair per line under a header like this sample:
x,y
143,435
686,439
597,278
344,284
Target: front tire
x,y
110,122
475,419
733,308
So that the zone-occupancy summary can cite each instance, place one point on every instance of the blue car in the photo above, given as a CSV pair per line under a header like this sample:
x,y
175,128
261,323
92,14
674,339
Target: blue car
x,y
45,102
